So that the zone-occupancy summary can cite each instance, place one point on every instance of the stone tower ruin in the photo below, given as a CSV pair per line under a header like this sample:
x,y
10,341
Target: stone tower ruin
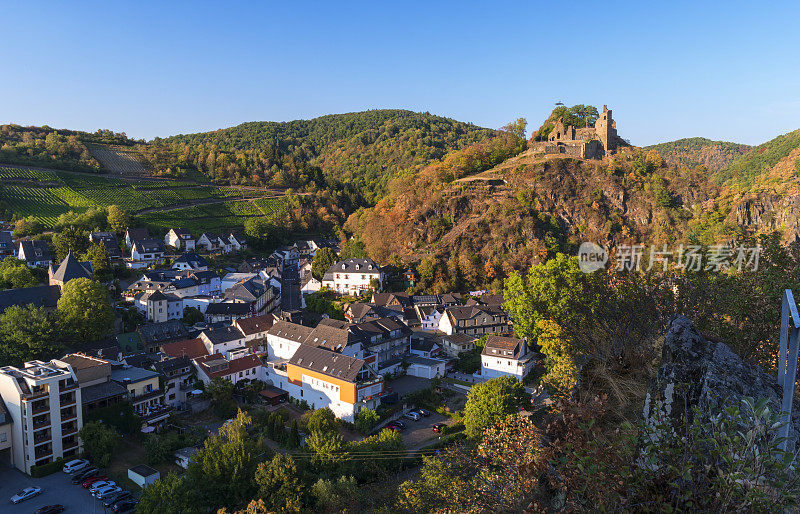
x,y
587,142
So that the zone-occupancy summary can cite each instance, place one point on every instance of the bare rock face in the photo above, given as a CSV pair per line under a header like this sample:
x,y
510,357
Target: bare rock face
x,y
697,372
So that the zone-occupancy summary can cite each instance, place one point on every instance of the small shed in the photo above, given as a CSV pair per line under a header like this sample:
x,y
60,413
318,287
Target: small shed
x,y
184,456
143,475
274,395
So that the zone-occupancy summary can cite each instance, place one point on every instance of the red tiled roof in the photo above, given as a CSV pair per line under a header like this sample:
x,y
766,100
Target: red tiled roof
x,y
192,348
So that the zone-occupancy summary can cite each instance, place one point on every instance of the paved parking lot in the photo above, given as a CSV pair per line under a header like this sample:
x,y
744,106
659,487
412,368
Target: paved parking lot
x,y
56,488
419,433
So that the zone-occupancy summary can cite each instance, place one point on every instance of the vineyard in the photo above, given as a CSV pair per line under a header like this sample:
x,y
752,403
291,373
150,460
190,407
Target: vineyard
x,y
46,194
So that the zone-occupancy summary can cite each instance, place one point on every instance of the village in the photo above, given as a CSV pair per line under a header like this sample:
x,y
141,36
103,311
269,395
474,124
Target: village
x,y
249,326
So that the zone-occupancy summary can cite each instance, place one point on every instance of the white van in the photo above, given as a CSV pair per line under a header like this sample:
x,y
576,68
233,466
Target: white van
x,y
75,465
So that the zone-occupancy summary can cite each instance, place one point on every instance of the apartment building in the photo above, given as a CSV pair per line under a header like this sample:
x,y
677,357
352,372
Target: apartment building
x,y
43,401
327,379
144,391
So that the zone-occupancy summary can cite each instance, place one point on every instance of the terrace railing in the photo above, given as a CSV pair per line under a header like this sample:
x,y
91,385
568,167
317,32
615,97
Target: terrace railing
x,y
787,361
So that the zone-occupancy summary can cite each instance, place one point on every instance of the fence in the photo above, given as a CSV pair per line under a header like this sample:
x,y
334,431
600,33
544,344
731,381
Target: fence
x,y
787,360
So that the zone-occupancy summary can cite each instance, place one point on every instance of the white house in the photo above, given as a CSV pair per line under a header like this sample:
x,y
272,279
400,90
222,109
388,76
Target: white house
x,y
353,276
237,242
505,356
429,316
180,239
214,243
147,250
191,261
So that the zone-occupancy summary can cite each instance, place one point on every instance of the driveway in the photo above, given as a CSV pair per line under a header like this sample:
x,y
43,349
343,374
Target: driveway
x,y
56,488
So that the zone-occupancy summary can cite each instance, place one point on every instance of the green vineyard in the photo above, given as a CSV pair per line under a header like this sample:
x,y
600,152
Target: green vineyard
x,y
46,194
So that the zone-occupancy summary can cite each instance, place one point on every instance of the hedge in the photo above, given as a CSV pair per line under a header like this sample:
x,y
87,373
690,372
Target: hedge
x,y
43,470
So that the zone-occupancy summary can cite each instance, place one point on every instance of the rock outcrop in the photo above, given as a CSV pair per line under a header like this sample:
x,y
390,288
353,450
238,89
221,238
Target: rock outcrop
x,y
698,372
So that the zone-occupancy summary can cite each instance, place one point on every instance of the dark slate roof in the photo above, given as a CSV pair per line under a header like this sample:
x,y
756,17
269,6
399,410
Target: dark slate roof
x,y
137,233
327,362
148,245
223,334
250,290
40,296
192,259
255,324
169,366
164,331
35,250
6,241
509,347
358,310
182,233
228,309
101,391
291,331
350,265
70,268
109,240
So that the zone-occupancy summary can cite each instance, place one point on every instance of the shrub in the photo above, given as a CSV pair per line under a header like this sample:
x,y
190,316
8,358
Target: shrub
x,y
43,470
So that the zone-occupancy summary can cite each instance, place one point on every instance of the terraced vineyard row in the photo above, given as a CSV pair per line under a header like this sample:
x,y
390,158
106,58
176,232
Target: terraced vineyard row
x,y
211,217
46,194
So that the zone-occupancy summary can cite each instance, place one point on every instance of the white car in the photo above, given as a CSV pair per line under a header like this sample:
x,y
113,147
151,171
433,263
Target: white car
x,y
105,492
412,415
75,465
100,484
26,494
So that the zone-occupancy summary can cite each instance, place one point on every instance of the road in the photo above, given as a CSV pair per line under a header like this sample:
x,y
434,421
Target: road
x,y
290,289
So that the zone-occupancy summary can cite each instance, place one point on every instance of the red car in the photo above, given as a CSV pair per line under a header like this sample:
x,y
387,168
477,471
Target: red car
x,y
438,427
89,481
394,426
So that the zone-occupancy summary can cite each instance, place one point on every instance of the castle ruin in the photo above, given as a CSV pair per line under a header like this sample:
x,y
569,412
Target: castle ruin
x,y
584,142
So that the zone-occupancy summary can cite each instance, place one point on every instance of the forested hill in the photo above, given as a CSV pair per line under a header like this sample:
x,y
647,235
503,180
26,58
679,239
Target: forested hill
x,y
364,150
772,165
690,152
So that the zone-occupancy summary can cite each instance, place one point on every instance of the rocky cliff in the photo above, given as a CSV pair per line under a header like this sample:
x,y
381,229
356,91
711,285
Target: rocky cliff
x,y
696,371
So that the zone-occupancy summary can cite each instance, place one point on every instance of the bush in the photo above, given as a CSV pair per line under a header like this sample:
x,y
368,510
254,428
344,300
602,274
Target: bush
x,y
365,420
43,470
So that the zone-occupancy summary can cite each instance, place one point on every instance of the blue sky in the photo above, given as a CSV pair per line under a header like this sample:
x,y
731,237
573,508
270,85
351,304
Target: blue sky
x,y
726,71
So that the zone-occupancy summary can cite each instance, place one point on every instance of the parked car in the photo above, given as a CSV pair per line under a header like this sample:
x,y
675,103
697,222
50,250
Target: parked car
x,y
124,506
399,423
412,415
116,497
105,492
424,412
26,494
92,480
84,474
395,426
50,509
438,427
100,484
75,465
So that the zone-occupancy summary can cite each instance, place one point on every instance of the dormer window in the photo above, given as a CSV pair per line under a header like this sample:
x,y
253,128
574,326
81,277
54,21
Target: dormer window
x,y
344,266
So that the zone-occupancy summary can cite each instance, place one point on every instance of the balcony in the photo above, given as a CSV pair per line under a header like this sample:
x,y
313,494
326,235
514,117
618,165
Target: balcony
x,y
67,400
41,453
41,423
41,438
69,385
40,408
69,446
69,414
69,429
156,414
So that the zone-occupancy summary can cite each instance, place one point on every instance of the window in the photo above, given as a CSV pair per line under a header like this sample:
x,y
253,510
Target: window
x,y
3,437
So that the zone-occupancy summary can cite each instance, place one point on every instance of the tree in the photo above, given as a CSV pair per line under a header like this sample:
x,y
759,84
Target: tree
x,y
336,495
260,231
192,315
492,401
294,435
353,249
556,290
323,420
223,469
28,333
517,128
324,258
99,441
221,392
366,419
280,485
15,274
70,239
118,219
27,226
170,494
86,309
97,255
